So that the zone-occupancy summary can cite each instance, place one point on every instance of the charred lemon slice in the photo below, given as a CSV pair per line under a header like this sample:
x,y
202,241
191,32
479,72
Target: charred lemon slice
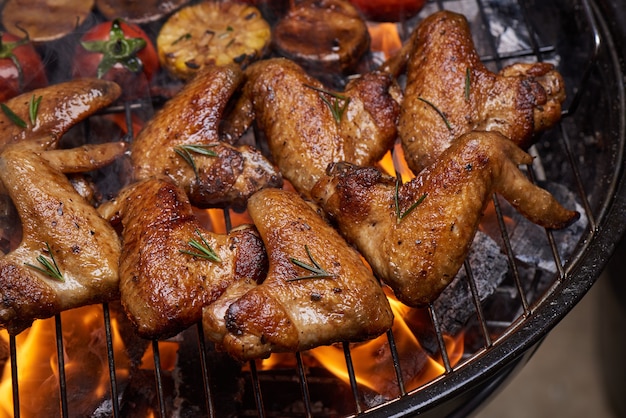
x,y
212,33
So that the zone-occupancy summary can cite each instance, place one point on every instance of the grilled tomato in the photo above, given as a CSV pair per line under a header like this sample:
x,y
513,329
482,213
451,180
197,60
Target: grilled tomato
x,y
389,10
117,51
21,68
212,33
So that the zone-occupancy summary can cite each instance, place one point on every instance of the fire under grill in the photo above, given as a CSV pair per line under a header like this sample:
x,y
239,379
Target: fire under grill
x,y
517,283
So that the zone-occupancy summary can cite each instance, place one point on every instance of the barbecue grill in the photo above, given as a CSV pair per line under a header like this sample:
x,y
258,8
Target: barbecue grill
x,y
584,155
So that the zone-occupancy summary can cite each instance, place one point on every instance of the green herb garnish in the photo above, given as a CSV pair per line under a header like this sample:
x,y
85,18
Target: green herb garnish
x,y
443,116
203,247
12,116
185,151
316,270
33,108
333,104
401,215
50,267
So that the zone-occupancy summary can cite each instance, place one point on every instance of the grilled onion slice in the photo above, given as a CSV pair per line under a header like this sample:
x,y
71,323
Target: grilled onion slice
x,y
212,33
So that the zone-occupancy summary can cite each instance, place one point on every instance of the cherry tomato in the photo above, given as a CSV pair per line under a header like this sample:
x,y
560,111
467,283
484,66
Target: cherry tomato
x,y
21,68
120,52
388,10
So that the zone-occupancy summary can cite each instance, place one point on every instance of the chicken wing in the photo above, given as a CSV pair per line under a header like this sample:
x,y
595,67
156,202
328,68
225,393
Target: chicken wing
x,y
60,107
68,256
317,291
449,91
308,127
171,266
182,142
416,235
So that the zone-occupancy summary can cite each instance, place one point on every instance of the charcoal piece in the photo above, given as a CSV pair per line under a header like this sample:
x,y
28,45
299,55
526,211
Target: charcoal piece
x,y
529,241
455,306
488,267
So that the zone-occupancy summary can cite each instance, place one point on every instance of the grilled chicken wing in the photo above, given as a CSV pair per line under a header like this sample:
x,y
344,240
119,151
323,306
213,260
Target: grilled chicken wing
x,y
418,251
308,127
445,75
291,310
171,267
182,142
62,106
59,228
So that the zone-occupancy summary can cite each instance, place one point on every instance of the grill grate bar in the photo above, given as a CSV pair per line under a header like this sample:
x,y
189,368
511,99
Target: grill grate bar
x,y
61,365
440,341
395,357
351,374
210,407
14,377
111,360
304,387
256,388
477,305
159,379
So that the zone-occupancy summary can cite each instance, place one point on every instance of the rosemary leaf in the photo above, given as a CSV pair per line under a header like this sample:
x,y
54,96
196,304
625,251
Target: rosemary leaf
x,y
443,116
12,116
336,109
317,271
33,108
50,267
185,152
204,249
401,215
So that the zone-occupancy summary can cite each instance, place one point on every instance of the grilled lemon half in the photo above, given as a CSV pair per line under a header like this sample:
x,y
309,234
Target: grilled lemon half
x,y
212,33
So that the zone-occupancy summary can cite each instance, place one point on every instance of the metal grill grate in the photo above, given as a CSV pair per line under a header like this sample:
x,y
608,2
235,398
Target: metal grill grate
x,y
490,332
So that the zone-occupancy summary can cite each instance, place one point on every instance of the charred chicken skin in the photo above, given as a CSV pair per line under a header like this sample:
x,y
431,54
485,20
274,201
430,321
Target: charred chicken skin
x,y
61,106
418,244
182,141
68,256
171,266
449,92
307,127
318,290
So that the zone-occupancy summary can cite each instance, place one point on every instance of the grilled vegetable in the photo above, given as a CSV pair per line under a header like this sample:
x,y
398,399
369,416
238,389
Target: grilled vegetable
x,y
138,11
21,68
44,20
389,10
212,33
323,36
117,51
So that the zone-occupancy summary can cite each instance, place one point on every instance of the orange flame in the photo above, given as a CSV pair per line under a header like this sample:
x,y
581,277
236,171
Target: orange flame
x,y
385,38
86,364
373,362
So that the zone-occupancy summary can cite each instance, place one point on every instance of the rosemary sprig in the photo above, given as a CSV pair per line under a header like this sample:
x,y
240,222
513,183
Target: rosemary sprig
x,y
185,151
335,108
12,116
316,270
468,81
443,116
203,247
401,215
33,108
50,267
